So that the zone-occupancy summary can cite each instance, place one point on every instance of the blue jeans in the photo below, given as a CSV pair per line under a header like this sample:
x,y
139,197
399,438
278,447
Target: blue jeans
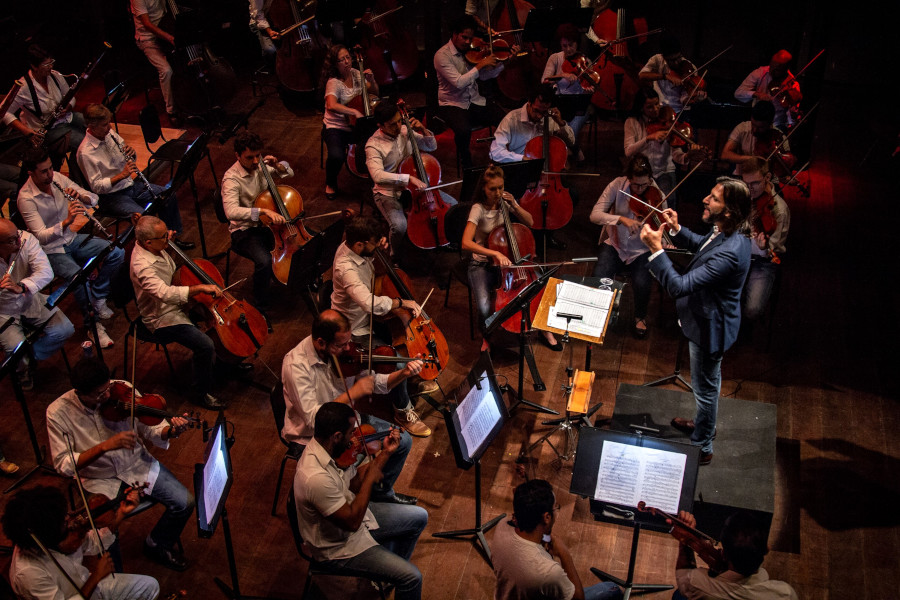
x,y
484,278
609,264
67,264
56,332
135,198
605,590
758,287
199,343
265,44
706,379
394,465
179,503
336,140
256,243
399,528
126,585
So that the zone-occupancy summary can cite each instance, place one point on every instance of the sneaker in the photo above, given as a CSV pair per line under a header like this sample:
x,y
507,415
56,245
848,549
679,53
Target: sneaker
x,y
103,338
101,309
409,420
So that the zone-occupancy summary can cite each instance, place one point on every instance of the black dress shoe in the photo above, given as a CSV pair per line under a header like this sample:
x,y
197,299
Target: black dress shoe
x,y
557,347
244,368
396,498
211,402
705,458
167,557
637,332
183,244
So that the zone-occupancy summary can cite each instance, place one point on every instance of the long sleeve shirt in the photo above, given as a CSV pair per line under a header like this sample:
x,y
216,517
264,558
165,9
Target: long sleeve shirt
x,y
100,160
385,154
612,204
240,188
258,10
759,80
554,67
458,80
516,130
352,296
49,96
158,300
32,271
669,94
44,213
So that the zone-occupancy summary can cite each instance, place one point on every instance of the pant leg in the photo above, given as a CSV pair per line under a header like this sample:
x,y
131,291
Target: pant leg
x,y
706,379
57,330
157,58
199,343
168,212
179,503
392,211
483,278
608,262
121,203
336,141
265,44
381,564
256,243
399,526
576,124
126,586
64,265
11,337
457,119
758,288
83,249
605,590
395,463
641,283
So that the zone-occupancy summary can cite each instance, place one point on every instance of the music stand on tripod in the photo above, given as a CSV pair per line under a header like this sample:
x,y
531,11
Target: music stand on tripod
x,y
675,376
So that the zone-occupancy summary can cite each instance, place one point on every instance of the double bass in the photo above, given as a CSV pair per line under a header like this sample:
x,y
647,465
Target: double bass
x,y
618,74
549,203
291,235
362,128
390,48
302,49
519,76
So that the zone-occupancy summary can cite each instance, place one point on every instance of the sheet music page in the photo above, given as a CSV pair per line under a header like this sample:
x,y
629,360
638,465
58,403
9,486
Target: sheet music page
x,y
478,413
591,303
629,474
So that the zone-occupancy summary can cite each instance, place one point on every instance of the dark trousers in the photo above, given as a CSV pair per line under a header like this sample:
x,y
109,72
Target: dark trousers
x,y
203,348
461,121
336,141
256,243
609,264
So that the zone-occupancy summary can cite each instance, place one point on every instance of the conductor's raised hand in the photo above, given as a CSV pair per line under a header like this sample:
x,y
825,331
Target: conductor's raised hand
x,y
671,219
652,238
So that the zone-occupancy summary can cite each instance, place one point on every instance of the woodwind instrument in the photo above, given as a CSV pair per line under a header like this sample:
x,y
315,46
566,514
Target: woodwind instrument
x,y
131,158
88,214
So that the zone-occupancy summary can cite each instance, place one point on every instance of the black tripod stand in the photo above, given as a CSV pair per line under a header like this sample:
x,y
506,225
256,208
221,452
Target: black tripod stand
x,y
628,583
675,377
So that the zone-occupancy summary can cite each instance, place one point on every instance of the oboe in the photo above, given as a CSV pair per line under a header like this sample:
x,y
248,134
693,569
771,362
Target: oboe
x,y
140,173
87,212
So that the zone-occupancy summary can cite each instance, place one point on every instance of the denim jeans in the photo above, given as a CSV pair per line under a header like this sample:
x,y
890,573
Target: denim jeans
x,y
394,465
706,379
126,585
399,528
179,503
758,287
605,590
57,330
256,243
336,141
392,211
199,343
135,198
265,44
609,264
483,279
67,264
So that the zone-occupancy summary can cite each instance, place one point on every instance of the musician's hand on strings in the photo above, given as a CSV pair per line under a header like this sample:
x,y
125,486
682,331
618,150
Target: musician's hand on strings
x,y
179,426
632,225
413,368
556,116
273,216
687,518
391,442
370,76
673,78
412,306
417,125
417,183
652,238
129,502
383,244
123,439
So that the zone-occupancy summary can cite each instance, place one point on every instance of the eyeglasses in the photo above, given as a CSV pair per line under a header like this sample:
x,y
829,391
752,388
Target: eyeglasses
x,y
165,236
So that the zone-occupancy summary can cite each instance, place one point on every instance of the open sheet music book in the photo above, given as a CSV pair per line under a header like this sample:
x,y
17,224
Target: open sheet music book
x,y
477,415
629,474
592,304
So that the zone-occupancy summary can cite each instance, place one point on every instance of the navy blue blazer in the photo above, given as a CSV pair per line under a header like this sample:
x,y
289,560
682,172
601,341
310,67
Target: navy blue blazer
x,y
708,295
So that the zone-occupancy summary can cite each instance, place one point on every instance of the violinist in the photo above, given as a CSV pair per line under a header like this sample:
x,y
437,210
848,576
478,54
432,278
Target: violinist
x,y
744,546
310,382
484,270
769,221
344,84
665,72
461,105
567,81
41,512
747,136
622,248
147,33
761,83
522,124
111,455
354,298
241,184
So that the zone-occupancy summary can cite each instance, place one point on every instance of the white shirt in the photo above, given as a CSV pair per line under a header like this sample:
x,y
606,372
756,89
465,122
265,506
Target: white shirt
x,y
86,429
385,154
44,213
742,135
159,302
661,155
759,80
554,67
321,488
696,584
154,9
516,130
49,97
669,94
458,80
100,160
485,222
609,206
525,570
343,94
33,272
240,188
352,296
258,10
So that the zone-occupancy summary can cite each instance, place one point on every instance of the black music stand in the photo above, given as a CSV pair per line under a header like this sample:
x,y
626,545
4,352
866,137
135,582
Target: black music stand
x,y
517,177
313,260
522,305
189,162
675,376
483,402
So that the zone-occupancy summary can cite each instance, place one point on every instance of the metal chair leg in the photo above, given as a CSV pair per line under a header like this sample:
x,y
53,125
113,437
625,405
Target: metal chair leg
x,y
278,484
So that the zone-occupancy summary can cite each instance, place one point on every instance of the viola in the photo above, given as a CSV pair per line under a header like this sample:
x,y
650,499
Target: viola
x,y
549,203
239,327
364,440
100,505
481,49
425,218
681,134
301,53
771,146
149,409
291,235
691,80
388,42
418,336
516,242
696,540
384,359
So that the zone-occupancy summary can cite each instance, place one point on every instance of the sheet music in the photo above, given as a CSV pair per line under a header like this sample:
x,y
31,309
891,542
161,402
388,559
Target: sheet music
x,y
592,304
215,476
477,413
629,474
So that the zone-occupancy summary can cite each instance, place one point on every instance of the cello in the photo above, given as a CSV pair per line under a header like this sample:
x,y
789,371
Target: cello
x,y
364,128
291,235
301,54
549,203
425,218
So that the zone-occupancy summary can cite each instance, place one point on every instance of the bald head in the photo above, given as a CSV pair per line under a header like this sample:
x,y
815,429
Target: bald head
x,y
9,235
778,66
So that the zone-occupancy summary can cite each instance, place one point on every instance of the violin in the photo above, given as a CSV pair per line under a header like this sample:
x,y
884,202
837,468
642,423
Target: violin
x,y
764,221
696,540
150,409
581,67
691,80
291,235
549,203
384,360
425,218
681,134
100,505
364,440
481,49
419,336
771,146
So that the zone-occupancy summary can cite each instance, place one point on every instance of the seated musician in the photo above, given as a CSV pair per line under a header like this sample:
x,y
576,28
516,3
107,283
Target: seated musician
x,y
51,217
108,165
160,304
259,25
347,527
22,303
241,184
147,34
524,555
461,105
664,72
520,125
42,90
385,152
567,83
310,382
353,297
744,139
110,455
344,84
765,246
42,512
622,248
759,83
484,270
744,547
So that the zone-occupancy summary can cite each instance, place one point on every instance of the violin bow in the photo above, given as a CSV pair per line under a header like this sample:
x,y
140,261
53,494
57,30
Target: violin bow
x,y
87,507
791,132
686,104
666,197
49,555
340,374
794,77
371,320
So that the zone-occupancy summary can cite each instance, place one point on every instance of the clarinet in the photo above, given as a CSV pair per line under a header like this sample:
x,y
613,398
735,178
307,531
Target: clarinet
x,y
140,173
87,212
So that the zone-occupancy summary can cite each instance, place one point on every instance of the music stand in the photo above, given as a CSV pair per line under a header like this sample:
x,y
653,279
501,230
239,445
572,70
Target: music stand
x,y
313,260
595,476
675,376
517,177
472,426
189,162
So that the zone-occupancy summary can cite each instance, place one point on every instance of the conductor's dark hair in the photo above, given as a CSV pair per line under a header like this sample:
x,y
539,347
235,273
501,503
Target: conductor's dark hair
x,y
736,195
462,23
89,374
331,418
33,158
763,111
638,166
327,324
384,111
744,542
247,140
545,92
531,501
40,510
361,228
36,55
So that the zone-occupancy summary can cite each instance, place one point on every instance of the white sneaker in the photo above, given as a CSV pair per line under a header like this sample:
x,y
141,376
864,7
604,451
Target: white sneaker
x,y
103,337
101,309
